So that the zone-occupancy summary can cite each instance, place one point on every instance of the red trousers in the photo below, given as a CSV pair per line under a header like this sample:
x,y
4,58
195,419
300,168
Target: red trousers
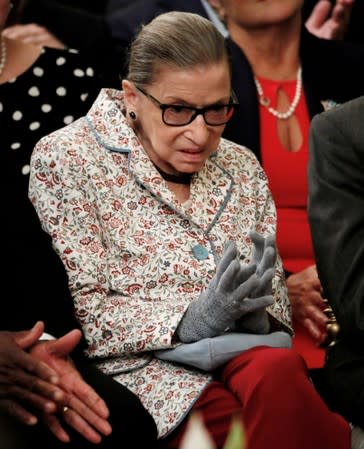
x,y
280,408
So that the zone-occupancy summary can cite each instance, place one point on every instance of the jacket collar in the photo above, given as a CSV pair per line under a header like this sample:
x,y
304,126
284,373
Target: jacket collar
x,y
109,125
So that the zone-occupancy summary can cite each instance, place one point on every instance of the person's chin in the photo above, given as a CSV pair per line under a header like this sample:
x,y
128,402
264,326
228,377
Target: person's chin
x,y
189,168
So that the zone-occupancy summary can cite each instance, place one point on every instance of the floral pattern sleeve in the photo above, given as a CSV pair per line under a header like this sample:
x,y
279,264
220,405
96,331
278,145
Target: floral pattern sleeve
x,y
114,322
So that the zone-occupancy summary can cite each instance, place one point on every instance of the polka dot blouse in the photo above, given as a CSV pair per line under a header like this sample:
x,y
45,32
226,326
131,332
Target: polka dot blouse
x,y
56,90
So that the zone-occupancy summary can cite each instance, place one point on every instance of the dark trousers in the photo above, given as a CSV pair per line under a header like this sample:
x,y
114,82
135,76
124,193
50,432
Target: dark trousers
x,y
132,425
343,375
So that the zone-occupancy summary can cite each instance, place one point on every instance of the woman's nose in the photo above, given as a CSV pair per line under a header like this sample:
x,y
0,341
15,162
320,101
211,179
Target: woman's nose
x,y
199,130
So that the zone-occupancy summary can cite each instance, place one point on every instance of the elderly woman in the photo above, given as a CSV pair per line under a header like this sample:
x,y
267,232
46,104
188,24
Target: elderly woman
x,y
165,230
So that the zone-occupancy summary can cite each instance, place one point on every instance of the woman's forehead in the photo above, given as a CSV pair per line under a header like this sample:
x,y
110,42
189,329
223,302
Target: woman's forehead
x,y
211,71
203,84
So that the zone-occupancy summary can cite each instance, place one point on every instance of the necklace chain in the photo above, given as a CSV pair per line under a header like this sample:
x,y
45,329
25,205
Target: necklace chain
x,y
2,55
265,101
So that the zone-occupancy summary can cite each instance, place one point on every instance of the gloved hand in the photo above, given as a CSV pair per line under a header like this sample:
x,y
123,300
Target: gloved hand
x,y
264,257
226,299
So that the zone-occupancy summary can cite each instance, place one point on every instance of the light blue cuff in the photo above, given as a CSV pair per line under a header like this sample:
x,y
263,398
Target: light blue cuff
x,y
210,353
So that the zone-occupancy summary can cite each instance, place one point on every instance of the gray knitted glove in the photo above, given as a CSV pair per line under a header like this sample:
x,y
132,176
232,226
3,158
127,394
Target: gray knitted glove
x,y
225,300
264,257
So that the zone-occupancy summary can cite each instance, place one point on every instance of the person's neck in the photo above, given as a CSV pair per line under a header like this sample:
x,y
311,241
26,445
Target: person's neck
x,y
176,178
272,52
20,57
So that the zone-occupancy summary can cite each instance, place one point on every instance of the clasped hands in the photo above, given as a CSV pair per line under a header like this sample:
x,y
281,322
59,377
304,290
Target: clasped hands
x,y
38,382
236,297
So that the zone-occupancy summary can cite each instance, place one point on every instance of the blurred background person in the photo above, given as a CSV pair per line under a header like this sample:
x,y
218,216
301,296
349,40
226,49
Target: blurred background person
x,y
336,212
283,76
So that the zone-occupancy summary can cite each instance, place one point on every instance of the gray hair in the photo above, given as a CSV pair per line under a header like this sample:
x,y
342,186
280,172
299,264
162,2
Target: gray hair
x,y
177,39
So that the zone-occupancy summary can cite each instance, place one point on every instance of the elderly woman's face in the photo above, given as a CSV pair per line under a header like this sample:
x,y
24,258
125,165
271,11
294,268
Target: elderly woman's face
x,y
181,149
258,13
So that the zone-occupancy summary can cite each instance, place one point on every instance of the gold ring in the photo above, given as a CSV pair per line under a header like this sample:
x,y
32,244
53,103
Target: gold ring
x,y
65,409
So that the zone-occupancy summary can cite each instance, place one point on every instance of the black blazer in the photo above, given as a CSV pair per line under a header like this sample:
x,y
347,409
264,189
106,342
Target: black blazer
x,y
330,70
336,213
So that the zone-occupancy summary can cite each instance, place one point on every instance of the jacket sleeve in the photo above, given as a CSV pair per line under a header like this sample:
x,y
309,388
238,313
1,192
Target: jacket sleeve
x,y
114,324
336,211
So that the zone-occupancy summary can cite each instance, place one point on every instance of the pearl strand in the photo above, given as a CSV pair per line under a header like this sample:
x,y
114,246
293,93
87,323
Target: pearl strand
x,y
2,55
264,101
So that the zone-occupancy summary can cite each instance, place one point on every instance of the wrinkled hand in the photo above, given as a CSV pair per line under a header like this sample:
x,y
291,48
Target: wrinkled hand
x,y
304,291
264,257
87,413
330,22
33,34
26,383
227,298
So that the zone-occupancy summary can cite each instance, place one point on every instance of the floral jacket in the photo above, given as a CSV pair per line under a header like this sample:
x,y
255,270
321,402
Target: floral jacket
x,y
135,256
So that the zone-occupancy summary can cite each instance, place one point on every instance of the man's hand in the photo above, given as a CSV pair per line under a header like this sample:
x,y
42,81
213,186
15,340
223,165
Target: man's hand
x,y
304,291
329,22
26,383
33,34
85,411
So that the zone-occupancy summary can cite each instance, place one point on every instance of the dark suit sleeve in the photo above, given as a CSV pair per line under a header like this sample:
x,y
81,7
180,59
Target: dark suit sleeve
x,y
336,211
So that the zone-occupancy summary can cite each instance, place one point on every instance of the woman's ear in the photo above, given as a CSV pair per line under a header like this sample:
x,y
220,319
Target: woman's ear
x,y
130,95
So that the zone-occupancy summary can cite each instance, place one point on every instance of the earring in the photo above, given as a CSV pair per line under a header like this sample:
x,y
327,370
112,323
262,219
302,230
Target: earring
x,y
132,115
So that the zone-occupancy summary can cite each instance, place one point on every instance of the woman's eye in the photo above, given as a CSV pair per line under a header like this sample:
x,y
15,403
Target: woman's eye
x,y
176,109
217,108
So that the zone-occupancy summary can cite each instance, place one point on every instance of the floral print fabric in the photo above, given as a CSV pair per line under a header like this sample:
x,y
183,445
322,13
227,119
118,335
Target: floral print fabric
x,y
135,256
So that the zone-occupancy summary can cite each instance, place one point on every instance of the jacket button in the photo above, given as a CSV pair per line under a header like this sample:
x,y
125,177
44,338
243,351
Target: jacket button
x,y
200,252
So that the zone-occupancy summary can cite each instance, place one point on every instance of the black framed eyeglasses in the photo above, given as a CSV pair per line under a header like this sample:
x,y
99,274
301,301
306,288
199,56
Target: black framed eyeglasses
x,y
181,115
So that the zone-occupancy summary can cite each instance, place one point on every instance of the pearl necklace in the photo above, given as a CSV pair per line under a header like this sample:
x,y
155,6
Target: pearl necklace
x,y
2,56
265,101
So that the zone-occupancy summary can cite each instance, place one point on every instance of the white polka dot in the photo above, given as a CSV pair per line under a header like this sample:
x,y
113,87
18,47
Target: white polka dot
x,y
1,107
15,145
90,71
79,73
17,115
12,80
26,169
34,91
73,50
84,96
61,60
61,91
46,108
38,71
68,119
34,125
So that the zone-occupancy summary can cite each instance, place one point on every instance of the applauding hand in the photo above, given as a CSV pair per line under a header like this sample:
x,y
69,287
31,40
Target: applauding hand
x,y
80,407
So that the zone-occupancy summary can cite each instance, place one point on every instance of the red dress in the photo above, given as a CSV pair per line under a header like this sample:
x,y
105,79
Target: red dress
x,y
287,174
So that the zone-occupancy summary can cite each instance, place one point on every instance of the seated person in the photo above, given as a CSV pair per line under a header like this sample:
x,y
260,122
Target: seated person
x,y
166,231
283,76
337,221
42,90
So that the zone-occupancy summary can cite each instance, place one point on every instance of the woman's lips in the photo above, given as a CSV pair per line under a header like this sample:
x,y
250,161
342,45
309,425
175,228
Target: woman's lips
x,y
192,154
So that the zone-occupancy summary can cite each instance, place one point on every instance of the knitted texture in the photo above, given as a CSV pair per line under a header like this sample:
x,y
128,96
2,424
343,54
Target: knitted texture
x,y
227,298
